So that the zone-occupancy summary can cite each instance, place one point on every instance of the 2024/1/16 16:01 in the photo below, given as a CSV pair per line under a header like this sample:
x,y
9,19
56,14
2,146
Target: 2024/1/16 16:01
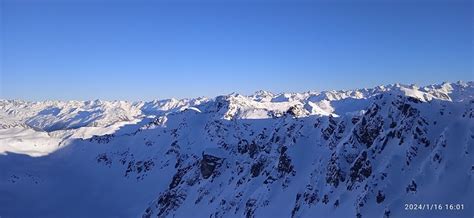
x,y
415,206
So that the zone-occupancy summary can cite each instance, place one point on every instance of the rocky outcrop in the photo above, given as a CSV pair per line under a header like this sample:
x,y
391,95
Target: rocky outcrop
x,y
208,165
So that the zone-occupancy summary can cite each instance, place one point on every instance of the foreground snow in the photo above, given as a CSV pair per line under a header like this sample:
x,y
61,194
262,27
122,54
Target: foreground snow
x,y
365,152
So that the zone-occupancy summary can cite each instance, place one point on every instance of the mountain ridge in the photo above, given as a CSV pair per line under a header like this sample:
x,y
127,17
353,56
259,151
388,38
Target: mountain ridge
x,y
349,154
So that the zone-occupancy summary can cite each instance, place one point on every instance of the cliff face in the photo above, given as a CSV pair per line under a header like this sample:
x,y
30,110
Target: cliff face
x,y
368,164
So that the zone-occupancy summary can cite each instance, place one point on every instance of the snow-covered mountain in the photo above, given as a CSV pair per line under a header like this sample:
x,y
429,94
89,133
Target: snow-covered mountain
x,y
357,153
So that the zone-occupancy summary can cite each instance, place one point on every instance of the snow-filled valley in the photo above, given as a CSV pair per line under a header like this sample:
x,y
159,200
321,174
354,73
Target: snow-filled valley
x,y
357,153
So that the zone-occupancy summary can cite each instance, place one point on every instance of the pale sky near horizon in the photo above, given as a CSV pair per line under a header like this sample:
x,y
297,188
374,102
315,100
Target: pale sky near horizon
x,y
141,50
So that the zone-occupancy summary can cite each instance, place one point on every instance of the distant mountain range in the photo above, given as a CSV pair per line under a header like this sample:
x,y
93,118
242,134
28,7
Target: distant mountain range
x,y
388,151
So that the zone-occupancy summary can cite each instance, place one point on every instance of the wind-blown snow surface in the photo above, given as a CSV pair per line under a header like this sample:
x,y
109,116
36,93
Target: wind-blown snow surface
x,y
365,152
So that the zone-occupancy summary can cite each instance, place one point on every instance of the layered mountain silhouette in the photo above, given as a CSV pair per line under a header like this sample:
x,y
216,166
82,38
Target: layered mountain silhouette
x,y
356,153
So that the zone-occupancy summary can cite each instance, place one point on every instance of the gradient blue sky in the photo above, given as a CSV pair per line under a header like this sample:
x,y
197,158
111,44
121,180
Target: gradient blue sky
x,y
139,50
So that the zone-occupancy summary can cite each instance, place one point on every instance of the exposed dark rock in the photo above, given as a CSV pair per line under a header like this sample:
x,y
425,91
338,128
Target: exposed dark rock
x,y
296,110
411,187
411,153
103,158
334,174
330,129
437,158
393,125
253,149
325,199
355,119
407,109
139,168
336,203
414,100
242,146
170,201
360,170
284,162
250,207
368,130
103,139
178,177
257,168
380,197
311,195
208,164
297,206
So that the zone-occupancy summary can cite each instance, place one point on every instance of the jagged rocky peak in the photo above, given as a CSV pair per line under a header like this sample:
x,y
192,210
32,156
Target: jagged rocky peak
x,y
297,110
262,96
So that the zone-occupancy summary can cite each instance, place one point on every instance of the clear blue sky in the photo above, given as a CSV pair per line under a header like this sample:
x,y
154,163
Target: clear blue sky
x,y
139,50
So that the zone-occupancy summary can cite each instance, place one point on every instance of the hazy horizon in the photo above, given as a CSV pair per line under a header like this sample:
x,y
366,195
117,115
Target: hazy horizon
x,y
245,94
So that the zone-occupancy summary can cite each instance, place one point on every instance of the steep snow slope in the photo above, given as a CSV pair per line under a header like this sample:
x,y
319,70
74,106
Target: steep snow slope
x,y
361,153
56,121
